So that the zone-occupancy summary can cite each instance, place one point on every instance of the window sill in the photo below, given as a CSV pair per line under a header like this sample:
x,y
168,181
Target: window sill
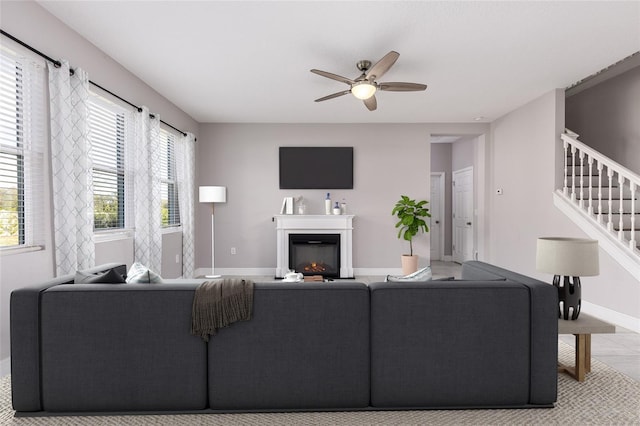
x,y
105,236
9,251
172,230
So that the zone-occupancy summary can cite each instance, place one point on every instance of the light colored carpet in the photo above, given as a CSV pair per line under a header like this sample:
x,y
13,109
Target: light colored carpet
x,y
606,397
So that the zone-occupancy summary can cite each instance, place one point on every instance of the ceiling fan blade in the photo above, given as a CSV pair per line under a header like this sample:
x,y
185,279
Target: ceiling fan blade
x,y
333,95
382,66
402,87
333,76
371,103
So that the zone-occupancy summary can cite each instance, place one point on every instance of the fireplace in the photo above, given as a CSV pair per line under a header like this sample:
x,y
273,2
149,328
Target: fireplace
x,y
315,254
319,225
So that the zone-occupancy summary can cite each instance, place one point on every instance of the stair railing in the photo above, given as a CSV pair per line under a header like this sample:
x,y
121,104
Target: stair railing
x,y
605,169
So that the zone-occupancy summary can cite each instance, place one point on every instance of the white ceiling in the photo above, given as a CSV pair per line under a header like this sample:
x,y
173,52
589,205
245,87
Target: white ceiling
x,y
242,61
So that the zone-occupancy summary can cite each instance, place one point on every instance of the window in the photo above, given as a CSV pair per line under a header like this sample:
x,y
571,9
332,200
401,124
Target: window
x,y
22,101
169,189
107,131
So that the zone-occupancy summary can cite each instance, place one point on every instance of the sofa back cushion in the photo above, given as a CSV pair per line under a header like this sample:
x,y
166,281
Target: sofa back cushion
x,y
450,344
124,347
305,347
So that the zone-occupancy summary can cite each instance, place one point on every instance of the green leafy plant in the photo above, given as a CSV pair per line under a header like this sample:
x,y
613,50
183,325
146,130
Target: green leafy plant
x,y
411,213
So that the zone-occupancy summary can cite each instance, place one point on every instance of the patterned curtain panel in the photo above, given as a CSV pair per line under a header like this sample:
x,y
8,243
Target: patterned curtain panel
x,y
146,191
186,177
71,169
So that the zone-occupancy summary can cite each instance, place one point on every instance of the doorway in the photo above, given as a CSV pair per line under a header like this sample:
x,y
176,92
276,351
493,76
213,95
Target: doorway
x,y
437,220
462,194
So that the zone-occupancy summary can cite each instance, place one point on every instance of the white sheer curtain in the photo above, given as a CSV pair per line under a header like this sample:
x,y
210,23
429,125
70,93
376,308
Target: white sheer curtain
x,y
71,168
145,162
186,177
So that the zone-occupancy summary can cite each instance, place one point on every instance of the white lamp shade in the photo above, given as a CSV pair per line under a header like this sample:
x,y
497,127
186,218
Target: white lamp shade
x,y
213,194
572,257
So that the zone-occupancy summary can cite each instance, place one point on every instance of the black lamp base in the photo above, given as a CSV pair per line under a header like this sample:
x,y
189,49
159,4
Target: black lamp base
x,y
569,296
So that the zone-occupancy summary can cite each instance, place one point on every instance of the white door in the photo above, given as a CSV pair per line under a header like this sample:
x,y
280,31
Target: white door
x,y
463,215
436,208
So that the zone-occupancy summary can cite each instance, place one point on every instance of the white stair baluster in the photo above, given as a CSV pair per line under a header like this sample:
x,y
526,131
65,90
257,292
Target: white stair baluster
x,y
565,188
621,210
590,208
610,211
632,242
581,179
599,192
573,173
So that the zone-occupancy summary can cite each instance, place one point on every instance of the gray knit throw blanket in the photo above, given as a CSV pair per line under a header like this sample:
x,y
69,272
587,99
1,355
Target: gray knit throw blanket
x,y
219,303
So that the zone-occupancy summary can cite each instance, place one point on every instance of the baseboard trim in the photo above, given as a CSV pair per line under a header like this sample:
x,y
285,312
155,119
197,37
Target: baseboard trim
x,y
617,318
5,367
383,272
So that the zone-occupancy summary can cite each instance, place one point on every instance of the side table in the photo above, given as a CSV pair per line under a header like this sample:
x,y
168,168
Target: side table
x,y
582,328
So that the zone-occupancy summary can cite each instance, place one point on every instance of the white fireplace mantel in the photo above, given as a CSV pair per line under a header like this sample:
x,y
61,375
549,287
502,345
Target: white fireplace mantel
x,y
315,224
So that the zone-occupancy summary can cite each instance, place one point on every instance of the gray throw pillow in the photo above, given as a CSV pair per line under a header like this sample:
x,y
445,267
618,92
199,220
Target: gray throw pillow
x,y
108,277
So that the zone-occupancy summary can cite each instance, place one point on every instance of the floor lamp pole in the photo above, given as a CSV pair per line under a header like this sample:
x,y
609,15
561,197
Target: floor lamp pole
x,y
213,255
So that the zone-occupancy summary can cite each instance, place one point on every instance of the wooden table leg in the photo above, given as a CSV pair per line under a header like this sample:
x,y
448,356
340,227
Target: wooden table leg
x,y
587,352
583,358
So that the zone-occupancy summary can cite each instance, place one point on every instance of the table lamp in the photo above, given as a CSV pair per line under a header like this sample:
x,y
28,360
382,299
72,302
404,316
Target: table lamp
x,y
570,257
212,194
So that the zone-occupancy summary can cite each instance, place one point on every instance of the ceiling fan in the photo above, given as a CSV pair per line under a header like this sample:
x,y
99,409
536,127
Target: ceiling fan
x,y
365,86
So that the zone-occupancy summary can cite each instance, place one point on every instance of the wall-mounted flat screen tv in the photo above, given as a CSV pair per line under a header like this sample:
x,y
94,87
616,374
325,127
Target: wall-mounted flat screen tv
x,y
316,167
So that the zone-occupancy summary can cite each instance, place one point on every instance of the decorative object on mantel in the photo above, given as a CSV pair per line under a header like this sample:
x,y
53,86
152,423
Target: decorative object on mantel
x,y
212,194
410,212
287,206
336,208
327,204
302,207
571,257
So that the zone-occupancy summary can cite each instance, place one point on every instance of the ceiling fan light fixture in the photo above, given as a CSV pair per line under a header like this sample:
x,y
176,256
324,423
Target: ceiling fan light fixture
x,y
363,90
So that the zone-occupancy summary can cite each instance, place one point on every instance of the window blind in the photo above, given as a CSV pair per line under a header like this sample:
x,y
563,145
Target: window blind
x,y
169,189
107,132
22,120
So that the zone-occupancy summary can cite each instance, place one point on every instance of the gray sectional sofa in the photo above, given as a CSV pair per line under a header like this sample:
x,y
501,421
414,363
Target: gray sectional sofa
x,y
487,341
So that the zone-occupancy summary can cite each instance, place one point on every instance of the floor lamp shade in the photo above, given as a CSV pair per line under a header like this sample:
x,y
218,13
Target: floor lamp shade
x,y
568,257
212,195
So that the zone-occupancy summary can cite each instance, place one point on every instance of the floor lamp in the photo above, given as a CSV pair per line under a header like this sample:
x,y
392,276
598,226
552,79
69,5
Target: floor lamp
x,y
212,194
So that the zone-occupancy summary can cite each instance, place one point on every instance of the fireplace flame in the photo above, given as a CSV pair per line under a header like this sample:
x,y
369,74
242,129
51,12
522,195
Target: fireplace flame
x,y
314,267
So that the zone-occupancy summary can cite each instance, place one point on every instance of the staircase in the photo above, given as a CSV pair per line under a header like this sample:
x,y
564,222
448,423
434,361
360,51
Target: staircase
x,y
603,198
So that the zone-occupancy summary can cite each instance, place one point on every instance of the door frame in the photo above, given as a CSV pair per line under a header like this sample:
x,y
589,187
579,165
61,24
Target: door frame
x,y
442,176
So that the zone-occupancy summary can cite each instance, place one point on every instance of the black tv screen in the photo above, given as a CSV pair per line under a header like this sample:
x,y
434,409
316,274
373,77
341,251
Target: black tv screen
x,y
316,167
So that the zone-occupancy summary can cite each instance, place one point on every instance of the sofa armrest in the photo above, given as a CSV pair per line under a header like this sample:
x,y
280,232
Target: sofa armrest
x,y
25,340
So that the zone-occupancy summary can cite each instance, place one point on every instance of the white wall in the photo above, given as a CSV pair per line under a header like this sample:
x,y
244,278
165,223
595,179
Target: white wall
x,y
389,160
522,155
35,26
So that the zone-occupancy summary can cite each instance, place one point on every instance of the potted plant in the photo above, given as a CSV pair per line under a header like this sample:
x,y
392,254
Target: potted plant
x,y
411,214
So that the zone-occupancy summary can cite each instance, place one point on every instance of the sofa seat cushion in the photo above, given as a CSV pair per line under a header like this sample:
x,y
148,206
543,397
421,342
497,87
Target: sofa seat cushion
x,y
442,344
121,348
